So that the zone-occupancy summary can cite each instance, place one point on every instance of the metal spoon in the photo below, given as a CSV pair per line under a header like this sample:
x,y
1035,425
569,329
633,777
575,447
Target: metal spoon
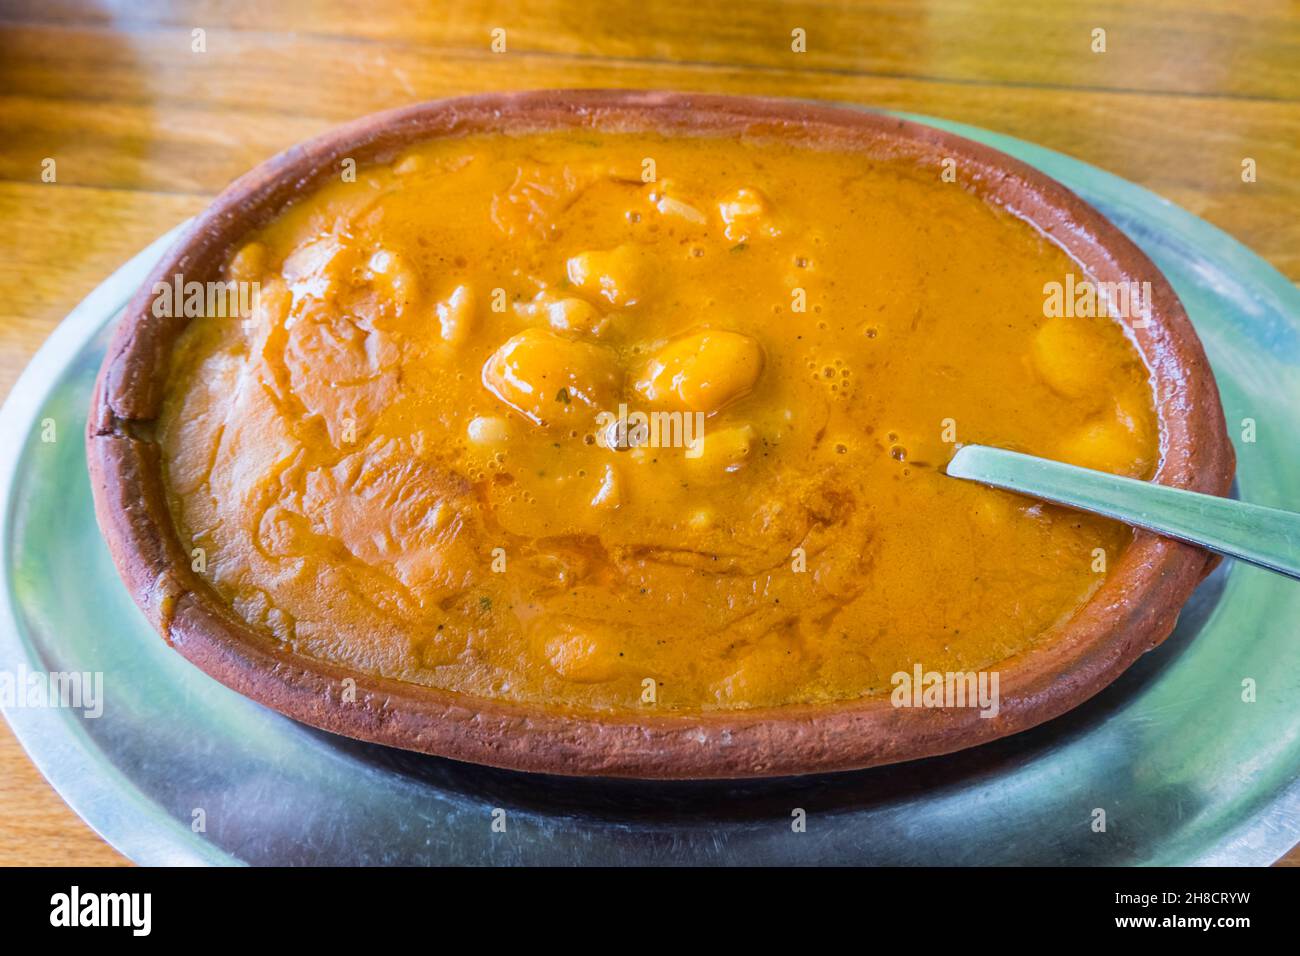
x,y
1267,537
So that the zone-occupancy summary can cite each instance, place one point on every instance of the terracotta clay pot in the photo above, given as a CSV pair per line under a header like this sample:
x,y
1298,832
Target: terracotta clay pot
x,y
1133,611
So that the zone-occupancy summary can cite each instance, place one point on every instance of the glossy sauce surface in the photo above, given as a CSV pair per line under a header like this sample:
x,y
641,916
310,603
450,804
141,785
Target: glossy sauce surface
x,y
403,462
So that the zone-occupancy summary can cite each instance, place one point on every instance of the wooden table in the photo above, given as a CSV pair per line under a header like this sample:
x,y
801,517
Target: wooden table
x,y
145,127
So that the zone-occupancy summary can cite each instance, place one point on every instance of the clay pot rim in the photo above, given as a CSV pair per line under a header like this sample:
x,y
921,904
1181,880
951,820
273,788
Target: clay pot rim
x,y
1134,609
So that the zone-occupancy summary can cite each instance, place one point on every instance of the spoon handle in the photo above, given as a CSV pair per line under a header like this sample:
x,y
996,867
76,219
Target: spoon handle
x,y
1267,537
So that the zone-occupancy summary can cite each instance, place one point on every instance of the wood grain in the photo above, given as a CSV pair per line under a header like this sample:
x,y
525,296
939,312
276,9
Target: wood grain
x,y
144,130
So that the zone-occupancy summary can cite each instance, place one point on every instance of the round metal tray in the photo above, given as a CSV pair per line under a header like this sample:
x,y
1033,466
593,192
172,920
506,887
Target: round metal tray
x,y
178,769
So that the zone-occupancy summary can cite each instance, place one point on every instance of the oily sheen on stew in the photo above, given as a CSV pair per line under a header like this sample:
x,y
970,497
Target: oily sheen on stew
x,y
402,462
